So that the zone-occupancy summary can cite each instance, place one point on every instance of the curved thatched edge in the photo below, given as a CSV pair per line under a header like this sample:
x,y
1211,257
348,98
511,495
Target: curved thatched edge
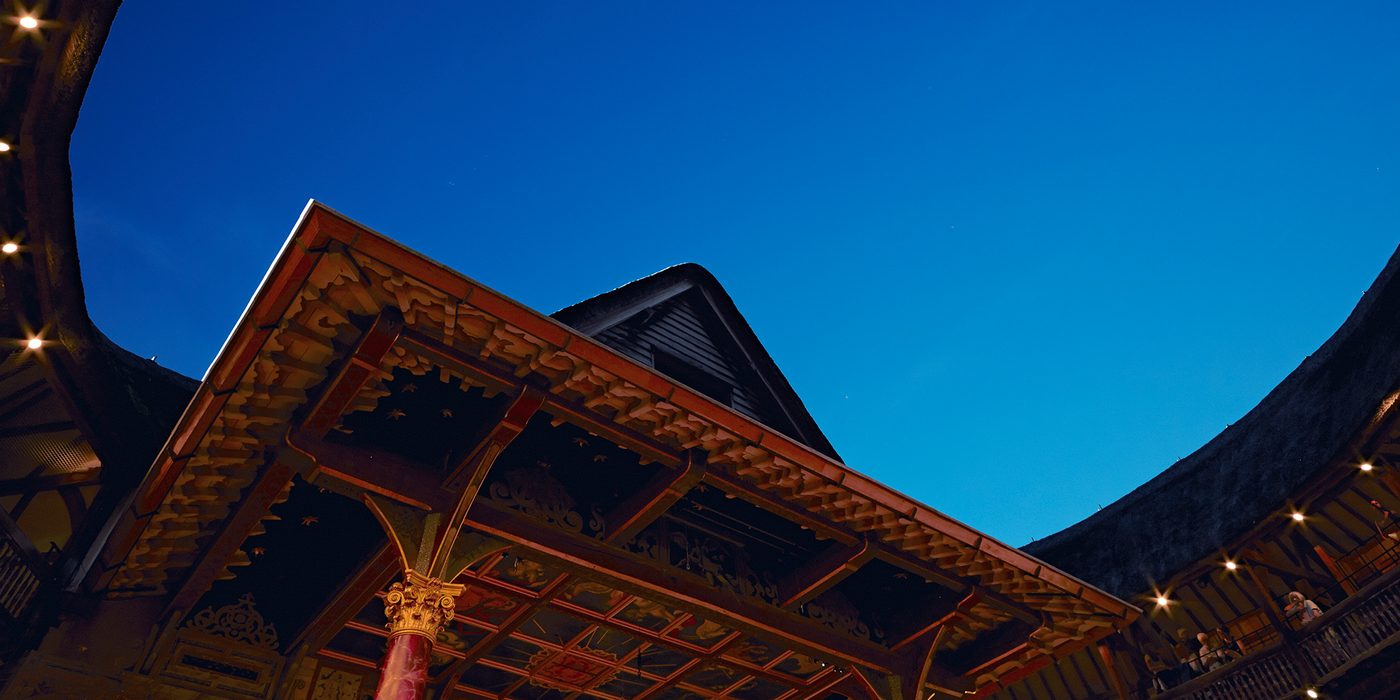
x,y
1247,472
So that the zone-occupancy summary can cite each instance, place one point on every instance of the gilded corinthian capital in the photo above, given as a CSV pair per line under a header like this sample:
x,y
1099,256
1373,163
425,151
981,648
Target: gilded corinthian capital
x,y
420,605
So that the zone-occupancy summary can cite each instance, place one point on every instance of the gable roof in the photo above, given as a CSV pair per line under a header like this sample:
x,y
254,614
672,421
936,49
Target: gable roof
x,y
616,318
1244,475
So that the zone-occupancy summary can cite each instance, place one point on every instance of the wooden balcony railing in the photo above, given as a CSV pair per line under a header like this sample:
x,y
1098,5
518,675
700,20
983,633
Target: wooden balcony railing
x,y
1319,652
22,571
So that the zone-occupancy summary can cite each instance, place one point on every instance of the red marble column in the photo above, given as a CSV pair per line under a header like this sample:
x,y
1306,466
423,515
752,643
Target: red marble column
x,y
416,610
404,675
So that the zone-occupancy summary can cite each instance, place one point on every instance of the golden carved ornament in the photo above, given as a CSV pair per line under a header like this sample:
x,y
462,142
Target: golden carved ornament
x,y
420,605
239,622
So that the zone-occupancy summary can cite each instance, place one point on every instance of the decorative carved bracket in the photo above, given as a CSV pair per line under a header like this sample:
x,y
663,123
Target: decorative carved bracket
x,y
419,539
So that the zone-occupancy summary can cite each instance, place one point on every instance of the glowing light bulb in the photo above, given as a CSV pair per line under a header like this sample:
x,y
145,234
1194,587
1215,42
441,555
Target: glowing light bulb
x,y
1312,693
4,146
1162,601
1367,466
1298,517
1231,565
10,248
28,22
34,343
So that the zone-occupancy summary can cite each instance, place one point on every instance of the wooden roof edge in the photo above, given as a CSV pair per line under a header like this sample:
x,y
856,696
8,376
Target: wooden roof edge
x,y
548,328
318,224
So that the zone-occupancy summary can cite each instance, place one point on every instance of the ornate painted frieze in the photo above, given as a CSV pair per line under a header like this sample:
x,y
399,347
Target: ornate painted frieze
x,y
721,563
239,622
533,491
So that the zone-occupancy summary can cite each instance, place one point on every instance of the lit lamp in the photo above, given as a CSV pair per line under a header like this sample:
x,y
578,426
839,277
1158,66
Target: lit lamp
x,y
34,343
1297,517
1230,565
1366,466
10,248
28,22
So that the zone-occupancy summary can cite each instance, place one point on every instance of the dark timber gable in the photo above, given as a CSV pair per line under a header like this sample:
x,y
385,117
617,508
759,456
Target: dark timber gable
x,y
682,322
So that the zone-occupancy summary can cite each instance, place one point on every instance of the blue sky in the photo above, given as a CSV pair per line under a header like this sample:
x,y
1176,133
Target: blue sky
x,y
1016,257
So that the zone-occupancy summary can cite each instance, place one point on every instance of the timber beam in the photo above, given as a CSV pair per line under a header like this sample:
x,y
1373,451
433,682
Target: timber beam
x,y
350,598
747,492
1284,571
828,568
936,611
388,474
253,507
630,517
930,615
87,477
407,480
447,680
924,669
503,379
469,473
361,365
993,647
38,429
358,368
632,573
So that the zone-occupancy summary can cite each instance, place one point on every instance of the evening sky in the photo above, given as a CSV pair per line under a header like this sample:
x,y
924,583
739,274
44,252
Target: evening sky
x,y
1017,257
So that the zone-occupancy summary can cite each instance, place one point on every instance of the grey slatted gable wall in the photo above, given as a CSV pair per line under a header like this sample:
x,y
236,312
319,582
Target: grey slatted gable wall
x,y
684,327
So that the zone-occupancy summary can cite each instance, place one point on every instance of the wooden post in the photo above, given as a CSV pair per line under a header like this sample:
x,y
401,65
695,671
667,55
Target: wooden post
x,y
1267,603
1335,570
1114,676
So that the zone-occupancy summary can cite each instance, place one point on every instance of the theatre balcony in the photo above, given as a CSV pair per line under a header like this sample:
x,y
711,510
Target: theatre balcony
x,y
1265,560
1343,652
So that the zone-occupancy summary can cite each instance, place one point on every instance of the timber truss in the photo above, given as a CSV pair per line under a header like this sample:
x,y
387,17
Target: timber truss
x,y
652,542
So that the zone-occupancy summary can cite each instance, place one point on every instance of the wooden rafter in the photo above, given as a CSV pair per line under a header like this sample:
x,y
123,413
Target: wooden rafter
x,y
633,515
828,568
631,573
88,477
273,478
38,429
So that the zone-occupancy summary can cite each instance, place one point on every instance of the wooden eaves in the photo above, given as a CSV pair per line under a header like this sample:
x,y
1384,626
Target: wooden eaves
x,y
454,321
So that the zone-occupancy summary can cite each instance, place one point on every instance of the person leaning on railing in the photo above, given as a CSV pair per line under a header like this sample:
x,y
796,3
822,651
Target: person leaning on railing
x,y
1215,651
1301,608
1190,663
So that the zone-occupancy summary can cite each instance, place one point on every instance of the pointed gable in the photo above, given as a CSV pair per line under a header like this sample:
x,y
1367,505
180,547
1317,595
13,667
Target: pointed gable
x,y
682,322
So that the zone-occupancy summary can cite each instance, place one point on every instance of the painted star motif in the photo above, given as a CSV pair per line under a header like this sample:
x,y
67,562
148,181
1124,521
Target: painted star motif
x,y
396,414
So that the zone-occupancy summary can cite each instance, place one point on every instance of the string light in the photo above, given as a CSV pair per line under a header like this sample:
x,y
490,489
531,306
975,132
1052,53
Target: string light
x,y
1297,517
10,248
4,146
1231,565
1311,693
1367,466
28,22
35,343
1162,601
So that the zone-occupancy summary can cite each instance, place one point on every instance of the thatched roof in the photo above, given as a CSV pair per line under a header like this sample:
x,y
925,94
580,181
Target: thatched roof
x,y
128,403
1247,472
